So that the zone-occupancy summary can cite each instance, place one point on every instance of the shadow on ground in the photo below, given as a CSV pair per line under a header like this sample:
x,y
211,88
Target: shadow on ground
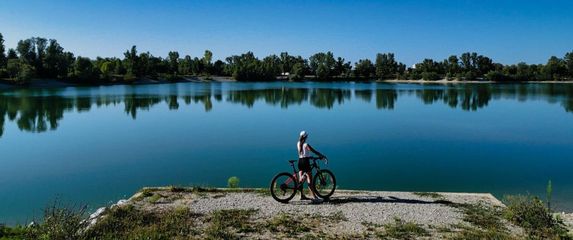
x,y
377,199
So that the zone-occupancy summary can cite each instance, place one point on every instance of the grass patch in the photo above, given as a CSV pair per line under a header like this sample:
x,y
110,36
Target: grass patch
x,y
400,229
337,217
482,216
144,193
286,223
483,222
154,198
228,224
470,233
430,195
291,226
128,222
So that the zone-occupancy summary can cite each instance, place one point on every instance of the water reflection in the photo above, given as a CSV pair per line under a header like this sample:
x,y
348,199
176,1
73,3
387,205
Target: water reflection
x,y
467,97
42,110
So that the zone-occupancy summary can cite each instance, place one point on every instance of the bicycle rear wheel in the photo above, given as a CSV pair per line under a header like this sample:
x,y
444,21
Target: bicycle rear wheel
x,y
283,187
324,183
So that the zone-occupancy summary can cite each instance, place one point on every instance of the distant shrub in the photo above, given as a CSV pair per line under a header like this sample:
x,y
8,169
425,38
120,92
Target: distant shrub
x,y
430,76
233,182
496,76
129,77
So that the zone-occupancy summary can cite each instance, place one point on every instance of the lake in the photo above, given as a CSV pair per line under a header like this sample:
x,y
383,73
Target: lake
x,y
96,145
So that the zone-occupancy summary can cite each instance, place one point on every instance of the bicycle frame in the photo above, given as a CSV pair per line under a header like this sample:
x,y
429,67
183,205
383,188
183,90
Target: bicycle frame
x,y
314,167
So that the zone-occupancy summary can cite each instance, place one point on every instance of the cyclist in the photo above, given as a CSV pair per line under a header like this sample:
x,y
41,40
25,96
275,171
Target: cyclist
x,y
304,170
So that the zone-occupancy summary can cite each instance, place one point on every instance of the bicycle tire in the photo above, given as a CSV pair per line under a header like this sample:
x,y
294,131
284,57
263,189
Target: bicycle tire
x,y
290,190
320,183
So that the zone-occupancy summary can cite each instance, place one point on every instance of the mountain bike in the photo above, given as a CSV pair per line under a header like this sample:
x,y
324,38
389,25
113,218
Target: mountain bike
x,y
285,185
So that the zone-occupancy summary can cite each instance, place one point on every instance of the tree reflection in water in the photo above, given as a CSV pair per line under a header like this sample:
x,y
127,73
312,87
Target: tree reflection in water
x,y
34,112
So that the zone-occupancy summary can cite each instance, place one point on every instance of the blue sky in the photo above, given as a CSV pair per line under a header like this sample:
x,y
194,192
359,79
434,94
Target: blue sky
x,y
507,31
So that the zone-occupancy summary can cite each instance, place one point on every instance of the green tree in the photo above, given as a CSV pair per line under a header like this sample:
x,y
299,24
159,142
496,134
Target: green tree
x,y
342,67
243,67
13,67
26,50
218,68
364,68
297,72
286,62
11,54
429,69
207,58
555,69
469,65
452,66
107,69
271,67
197,66
322,65
386,66
569,64
173,62
19,71
131,62
146,65
40,46
83,70
3,59
185,65
56,62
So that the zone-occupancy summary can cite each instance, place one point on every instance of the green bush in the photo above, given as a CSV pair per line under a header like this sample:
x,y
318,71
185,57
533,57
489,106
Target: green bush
x,y
60,222
233,182
531,214
18,232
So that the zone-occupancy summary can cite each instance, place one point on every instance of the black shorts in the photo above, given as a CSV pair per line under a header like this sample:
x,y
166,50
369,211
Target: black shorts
x,y
304,164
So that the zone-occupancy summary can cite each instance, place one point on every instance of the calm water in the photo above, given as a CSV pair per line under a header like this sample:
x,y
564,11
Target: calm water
x,y
95,145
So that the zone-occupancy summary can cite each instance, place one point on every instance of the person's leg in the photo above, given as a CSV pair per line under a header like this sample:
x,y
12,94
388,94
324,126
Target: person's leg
x,y
301,177
309,181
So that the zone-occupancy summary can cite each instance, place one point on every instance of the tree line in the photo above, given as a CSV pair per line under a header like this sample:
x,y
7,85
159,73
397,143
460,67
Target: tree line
x,y
45,58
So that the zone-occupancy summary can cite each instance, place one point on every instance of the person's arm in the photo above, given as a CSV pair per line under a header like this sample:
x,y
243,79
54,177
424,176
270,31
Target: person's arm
x,y
315,152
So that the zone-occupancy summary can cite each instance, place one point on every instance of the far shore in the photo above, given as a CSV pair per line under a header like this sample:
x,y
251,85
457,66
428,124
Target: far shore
x,y
55,83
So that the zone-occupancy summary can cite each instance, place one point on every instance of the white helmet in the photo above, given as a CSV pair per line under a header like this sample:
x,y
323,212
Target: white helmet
x,y
303,134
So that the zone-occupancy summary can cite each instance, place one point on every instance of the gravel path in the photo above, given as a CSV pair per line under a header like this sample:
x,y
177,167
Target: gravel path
x,y
358,207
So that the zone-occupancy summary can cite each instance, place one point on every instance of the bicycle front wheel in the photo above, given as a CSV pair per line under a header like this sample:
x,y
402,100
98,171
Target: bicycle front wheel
x,y
324,183
283,187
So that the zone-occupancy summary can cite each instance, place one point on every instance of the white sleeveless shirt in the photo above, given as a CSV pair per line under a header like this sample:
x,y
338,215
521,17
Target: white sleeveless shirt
x,y
304,152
